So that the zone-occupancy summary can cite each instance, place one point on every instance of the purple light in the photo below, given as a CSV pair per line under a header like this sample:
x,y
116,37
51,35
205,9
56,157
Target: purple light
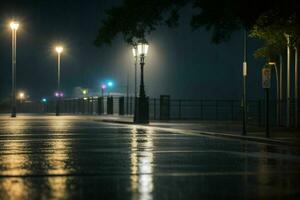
x,y
58,94
103,86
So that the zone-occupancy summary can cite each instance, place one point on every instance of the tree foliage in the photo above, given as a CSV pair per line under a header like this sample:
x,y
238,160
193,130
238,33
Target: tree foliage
x,y
271,29
135,19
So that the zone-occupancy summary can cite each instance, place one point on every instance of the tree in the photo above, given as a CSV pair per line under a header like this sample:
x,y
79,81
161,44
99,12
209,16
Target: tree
x,y
271,29
134,19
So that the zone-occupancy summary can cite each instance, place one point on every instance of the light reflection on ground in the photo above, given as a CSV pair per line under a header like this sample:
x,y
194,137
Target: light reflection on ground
x,y
142,159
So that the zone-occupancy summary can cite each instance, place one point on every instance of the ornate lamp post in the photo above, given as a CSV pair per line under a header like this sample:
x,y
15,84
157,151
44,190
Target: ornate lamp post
x,y
142,113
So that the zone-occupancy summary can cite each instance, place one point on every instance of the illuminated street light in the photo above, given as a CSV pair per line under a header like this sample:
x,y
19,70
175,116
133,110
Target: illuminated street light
x,y
278,89
142,115
21,95
84,92
103,87
59,50
288,77
14,27
135,56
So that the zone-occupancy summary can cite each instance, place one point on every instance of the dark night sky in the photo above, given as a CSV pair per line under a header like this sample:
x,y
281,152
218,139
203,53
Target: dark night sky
x,y
182,63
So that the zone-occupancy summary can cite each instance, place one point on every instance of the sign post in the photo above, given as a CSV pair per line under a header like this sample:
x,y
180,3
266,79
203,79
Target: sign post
x,y
266,84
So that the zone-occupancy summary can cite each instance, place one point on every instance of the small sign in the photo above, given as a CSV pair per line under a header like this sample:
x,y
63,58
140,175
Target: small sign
x,y
266,78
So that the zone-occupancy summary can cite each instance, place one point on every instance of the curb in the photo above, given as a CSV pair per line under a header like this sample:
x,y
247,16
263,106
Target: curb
x,y
215,134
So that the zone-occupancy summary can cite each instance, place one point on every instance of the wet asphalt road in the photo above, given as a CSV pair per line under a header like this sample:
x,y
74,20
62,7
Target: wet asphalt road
x,y
76,158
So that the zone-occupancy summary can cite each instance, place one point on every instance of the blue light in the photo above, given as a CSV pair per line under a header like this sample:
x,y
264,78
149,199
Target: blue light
x,y
110,84
44,100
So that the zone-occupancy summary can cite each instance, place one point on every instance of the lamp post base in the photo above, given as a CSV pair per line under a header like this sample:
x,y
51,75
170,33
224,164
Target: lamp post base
x,y
57,108
141,113
14,112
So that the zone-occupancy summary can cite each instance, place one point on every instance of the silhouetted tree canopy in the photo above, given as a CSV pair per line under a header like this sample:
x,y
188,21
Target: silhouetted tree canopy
x,y
134,19
271,30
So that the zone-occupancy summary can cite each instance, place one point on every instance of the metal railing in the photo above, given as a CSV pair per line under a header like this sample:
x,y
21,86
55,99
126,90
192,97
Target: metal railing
x,y
177,109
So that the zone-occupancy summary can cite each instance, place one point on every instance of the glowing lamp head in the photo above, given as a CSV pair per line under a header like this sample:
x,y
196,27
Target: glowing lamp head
x,y
59,49
21,95
142,49
84,92
103,86
134,52
44,100
272,63
56,94
14,25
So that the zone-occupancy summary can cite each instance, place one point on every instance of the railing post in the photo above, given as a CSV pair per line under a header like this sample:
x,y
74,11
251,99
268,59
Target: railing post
x,y
259,112
179,109
232,110
121,105
154,109
110,106
217,109
201,109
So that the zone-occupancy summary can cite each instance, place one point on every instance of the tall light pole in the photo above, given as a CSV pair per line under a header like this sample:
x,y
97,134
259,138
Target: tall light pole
x,y
14,27
135,56
277,91
142,115
59,50
296,89
103,87
142,51
288,74
245,85
280,90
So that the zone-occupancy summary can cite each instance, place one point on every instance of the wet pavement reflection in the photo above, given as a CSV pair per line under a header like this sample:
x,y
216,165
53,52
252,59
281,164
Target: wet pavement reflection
x,y
44,157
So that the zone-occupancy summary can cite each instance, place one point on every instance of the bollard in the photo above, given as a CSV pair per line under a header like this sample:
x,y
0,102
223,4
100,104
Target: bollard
x,y
121,105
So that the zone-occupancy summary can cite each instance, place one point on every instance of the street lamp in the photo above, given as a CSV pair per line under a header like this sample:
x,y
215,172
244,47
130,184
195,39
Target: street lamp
x,y
142,52
85,92
21,96
135,55
142,114
288,85
14,27
278,89
103,87
59,50
296,88
245,73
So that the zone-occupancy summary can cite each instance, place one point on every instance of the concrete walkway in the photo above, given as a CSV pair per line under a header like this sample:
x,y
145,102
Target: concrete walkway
x,y
280,135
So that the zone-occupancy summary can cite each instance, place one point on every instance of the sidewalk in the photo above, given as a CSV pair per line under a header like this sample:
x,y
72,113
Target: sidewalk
x,y
227,129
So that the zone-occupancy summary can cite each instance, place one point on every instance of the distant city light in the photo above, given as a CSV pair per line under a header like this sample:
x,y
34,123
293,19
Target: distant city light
x,y
85,91
110,84
58,94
